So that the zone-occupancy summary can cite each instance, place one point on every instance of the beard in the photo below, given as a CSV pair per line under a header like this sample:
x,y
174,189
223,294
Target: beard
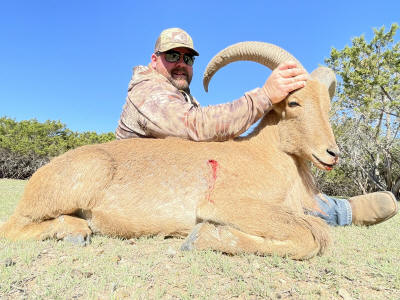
x,y
180,79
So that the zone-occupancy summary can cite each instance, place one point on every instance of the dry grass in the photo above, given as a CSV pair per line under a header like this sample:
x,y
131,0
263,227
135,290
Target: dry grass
x,y
362,264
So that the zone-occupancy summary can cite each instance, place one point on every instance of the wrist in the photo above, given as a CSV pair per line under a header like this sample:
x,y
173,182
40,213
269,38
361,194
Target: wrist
x,y
266,95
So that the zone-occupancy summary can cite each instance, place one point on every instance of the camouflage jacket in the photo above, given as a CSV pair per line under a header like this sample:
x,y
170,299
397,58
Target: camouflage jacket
x,y
155,108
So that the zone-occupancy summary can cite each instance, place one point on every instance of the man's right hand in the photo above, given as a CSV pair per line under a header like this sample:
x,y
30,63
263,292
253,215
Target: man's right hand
x,y
285,78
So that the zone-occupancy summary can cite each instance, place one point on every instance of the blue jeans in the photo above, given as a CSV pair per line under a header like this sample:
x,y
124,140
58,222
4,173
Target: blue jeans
x,y
336,212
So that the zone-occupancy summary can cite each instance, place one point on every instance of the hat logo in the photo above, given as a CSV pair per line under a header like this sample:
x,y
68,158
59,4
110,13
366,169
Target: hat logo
x,y
180,38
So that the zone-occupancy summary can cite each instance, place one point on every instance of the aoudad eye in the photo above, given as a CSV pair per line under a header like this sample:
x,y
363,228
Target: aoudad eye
x,y
293,104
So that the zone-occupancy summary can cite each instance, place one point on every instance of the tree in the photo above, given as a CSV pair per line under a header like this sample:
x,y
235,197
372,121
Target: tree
x,y
366,111
27,145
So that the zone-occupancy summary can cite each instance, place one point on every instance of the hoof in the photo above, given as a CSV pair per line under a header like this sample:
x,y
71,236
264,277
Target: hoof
x,y
188,244
78,240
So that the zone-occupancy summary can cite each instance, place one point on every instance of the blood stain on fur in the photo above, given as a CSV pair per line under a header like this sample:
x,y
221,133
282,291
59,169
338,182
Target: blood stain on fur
x,y
213,177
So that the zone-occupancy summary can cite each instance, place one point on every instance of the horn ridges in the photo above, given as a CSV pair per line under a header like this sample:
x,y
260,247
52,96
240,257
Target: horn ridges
x,y
266,54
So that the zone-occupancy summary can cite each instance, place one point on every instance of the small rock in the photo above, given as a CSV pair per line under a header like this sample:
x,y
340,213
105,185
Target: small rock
x,y
131,242
76,273
171,252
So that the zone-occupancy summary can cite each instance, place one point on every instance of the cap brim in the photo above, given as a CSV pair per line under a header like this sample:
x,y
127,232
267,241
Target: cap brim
x,y
170,46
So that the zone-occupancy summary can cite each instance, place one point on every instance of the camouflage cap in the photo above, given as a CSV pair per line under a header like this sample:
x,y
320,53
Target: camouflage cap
x,y
174,38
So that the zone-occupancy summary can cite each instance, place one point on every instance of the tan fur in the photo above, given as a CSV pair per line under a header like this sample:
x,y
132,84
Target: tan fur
x,y
246,195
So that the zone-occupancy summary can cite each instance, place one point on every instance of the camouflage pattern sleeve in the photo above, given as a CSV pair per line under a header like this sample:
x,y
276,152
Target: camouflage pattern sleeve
x,y
224,121
154,108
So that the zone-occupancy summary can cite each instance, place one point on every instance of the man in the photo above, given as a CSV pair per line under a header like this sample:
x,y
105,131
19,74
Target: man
x,y
159,104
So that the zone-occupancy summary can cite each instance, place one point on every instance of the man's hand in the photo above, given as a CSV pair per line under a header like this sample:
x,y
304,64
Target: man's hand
x,y
285,78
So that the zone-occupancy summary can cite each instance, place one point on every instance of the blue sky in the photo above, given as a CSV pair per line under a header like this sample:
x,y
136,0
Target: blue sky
x,y
72,60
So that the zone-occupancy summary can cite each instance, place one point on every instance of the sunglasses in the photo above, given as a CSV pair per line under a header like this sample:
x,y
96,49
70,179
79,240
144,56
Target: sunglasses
x,y
174,56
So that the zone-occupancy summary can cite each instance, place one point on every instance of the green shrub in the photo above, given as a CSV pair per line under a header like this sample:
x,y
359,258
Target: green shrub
x,y
19,166
27,145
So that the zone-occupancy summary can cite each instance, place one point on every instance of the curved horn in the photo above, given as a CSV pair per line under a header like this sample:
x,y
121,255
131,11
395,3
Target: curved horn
x,y
327,77
266,54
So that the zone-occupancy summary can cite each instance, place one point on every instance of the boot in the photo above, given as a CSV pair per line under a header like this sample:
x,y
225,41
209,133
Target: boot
x,y
374,208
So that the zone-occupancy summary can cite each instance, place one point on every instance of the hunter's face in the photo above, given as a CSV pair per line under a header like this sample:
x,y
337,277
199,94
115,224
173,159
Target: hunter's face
x,y
178,72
